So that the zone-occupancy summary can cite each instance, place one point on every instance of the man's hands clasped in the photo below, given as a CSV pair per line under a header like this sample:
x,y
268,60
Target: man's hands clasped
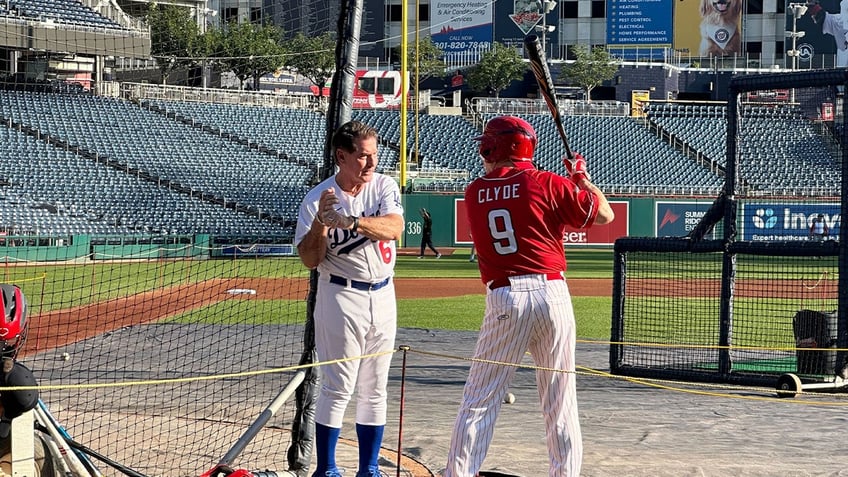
x,y
576,168
329,216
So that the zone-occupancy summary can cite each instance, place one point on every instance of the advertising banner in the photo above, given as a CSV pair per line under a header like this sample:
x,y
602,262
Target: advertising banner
x,y
638,100
461,26
823,31
253,250
787,221
677,219
515,19
596,235
632,23
708,28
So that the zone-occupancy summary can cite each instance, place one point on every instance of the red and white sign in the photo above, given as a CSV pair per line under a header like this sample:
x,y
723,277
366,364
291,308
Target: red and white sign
x,y
373,89
596,235
827,111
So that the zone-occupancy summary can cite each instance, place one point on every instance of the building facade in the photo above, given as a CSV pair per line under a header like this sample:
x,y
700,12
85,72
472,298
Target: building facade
x,y
749,33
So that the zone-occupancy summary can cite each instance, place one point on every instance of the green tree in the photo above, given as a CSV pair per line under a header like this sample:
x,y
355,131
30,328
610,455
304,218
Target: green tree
x,y
174,37
313,57
590,68
497,68
423,62
248,50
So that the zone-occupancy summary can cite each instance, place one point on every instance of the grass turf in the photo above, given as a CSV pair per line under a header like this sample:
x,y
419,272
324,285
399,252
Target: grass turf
x,y
593,314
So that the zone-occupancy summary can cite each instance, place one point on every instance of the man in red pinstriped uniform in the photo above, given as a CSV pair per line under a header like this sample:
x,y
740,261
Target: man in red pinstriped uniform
x,y
517,216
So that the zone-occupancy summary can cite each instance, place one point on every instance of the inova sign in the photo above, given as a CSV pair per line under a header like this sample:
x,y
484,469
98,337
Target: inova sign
x,y
782,222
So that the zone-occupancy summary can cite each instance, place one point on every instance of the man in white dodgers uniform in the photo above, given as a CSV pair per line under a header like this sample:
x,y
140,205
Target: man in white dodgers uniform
x,y
347,228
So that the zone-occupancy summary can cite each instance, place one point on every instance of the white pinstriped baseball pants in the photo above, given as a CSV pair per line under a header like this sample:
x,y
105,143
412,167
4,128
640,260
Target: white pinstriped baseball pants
x,y
351,323
535,315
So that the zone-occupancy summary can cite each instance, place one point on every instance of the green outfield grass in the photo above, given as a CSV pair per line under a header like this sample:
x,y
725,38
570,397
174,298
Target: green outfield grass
x,y
593,314
452,313
582,263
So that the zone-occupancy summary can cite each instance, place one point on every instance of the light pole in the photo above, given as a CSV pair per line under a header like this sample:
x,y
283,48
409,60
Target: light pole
x,y
203,18
545,6
798,10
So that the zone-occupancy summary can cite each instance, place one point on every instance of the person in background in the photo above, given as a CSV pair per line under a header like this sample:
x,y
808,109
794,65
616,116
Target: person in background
x,y
818,229
517,216
427,234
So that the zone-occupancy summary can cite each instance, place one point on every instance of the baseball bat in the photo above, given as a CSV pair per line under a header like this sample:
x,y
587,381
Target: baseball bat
x,y
44,412
69,461
55,452
112,463
546,85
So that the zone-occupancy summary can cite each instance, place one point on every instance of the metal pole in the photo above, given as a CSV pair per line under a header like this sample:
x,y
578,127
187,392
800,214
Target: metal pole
x,y
544,27
405,350
794,40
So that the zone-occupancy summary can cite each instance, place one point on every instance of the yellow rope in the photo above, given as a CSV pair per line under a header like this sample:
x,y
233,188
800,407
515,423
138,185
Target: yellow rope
x,y
657,383
665,384
194,379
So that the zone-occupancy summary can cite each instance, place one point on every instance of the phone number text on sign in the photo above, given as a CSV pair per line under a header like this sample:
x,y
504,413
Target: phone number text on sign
x,y
462,45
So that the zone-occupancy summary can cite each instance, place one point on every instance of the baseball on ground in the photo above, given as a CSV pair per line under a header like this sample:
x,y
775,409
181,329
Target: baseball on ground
x,y
509,398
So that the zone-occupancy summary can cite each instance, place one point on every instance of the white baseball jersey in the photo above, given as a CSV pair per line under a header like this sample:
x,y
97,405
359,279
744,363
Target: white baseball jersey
x,y
349,254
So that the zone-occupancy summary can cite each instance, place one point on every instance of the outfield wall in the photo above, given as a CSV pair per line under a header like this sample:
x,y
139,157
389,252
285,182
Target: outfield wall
x,y
635,217
639,217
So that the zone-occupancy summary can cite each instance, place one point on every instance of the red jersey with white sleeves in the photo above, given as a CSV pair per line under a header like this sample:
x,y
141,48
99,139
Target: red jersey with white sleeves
x,y
518,216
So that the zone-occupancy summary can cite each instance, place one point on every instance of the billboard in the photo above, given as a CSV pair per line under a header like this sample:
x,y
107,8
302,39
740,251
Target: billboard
x,y
638,23
515,19
708,28
821,25
786,221
461,26
372,89
596,235
677,219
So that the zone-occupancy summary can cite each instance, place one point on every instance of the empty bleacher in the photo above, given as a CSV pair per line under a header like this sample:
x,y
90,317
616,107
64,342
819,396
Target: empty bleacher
x,y
77,163
296,133
776,142
71,12
176,168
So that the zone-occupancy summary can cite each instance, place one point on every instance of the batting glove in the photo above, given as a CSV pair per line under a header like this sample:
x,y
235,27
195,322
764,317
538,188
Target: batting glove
x,y
334,219
576,168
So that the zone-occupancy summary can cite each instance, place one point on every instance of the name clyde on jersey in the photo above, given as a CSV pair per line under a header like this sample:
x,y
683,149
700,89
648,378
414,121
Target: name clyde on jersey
x,y
502,192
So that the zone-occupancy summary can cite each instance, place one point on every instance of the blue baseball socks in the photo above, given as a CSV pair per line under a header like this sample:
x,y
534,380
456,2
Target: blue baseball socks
x,y
326,439
370,439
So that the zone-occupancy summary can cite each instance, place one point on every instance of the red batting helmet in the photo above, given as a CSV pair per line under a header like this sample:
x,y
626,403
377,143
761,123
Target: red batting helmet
x,y
13,325
507,137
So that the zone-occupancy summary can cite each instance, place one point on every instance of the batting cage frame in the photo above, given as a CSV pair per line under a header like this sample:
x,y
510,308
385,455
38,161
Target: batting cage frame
x,y
724,305
339,112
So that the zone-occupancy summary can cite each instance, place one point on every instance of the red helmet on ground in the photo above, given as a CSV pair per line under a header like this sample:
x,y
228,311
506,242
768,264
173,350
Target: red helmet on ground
x,y
13,325
507,137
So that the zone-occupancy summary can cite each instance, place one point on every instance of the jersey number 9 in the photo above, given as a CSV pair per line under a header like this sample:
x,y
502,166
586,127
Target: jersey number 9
x,y
500,227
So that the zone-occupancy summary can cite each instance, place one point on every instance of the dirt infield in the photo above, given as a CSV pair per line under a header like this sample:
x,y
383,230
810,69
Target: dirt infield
x,y
70,325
